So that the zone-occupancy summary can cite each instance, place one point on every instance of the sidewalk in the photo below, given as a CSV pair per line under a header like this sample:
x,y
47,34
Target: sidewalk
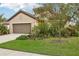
x,y
7,52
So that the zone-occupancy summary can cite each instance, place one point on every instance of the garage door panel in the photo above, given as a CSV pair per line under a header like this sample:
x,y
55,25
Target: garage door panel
x,y
22,28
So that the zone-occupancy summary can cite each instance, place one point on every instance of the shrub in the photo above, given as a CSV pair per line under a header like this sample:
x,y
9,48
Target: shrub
x,y
26,37
53,31
41,30
22,37
3,29
44,30
65,32
78,33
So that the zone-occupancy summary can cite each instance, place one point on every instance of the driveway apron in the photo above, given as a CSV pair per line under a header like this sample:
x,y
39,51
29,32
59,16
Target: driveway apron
x,y
9,37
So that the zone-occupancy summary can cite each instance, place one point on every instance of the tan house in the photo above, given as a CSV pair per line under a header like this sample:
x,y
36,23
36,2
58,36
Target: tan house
x,y
21,22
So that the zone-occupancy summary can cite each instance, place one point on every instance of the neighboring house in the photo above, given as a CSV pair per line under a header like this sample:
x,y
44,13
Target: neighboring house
x,y
21,22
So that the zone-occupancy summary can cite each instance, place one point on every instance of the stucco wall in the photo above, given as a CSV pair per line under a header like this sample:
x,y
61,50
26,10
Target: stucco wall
x,y
22,18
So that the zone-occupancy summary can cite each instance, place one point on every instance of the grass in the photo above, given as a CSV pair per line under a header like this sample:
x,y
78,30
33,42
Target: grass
x,y
50,46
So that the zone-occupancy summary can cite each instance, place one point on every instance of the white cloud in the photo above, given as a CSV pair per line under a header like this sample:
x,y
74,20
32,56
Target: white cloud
x,y
13,6
17,6
34,5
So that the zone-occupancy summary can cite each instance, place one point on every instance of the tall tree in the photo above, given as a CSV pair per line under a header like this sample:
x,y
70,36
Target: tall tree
x,y
2,19
58,14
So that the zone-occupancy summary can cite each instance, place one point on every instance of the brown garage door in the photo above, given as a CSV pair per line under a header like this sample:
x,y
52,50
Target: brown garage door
x,y
22,28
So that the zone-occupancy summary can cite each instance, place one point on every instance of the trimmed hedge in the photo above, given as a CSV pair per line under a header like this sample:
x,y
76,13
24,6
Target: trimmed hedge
x,y
22,37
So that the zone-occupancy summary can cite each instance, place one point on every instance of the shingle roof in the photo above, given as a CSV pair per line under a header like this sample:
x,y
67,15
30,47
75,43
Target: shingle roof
x,y
20,11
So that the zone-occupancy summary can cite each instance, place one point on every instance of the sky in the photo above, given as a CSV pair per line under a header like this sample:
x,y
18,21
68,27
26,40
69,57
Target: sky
x,y
9,9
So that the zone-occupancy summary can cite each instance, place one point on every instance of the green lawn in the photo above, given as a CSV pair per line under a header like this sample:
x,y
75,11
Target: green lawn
x,y
50,46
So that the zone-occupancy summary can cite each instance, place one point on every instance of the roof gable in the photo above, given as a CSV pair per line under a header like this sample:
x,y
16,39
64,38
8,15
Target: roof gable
x,y
30,15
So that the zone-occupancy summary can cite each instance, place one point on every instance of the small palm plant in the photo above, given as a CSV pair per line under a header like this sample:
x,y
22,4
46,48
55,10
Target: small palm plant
x,y
3,28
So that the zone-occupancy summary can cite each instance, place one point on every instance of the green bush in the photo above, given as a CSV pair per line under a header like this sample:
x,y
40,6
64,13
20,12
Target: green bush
x,y
78,33
3,29
65,32
26,37
22,37
42,30
53,31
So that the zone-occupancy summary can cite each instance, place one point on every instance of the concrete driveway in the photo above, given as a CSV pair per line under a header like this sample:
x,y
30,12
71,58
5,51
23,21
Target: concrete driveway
x,y
9,37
